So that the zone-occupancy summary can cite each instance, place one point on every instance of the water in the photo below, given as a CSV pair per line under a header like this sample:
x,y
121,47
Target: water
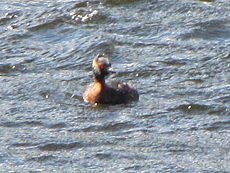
x,y
175,52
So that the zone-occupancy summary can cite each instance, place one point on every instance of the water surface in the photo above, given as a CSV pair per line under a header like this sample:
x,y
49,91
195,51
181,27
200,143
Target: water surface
x,y
175,52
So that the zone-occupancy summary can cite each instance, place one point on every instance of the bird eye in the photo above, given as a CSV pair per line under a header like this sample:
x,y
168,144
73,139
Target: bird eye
x,y
102,66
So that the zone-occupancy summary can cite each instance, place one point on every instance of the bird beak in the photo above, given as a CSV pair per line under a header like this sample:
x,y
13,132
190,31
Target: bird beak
x,y
110,70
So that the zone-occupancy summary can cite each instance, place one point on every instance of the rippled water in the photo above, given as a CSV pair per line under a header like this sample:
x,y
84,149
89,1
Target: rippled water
x,y
175,52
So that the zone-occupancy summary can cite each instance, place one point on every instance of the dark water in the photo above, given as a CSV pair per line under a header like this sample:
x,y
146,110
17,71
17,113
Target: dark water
x,y
175,51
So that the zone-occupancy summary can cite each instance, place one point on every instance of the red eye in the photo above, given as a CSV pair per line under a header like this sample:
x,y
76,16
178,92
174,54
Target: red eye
x,y
102,66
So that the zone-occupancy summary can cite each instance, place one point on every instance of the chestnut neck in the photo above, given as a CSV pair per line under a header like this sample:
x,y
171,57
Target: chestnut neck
x,y
100,79
99,75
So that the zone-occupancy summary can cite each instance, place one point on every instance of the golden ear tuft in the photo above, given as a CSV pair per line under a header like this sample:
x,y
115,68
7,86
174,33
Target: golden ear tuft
x,y
95,61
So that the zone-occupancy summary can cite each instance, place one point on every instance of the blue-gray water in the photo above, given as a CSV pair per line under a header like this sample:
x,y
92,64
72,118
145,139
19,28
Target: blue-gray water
x,y
177,54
